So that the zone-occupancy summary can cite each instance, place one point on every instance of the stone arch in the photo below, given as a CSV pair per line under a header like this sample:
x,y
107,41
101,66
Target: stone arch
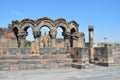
x,y
15,30
26,23
44,22
61,23
73,25
64,25
73,30
16,24
67,27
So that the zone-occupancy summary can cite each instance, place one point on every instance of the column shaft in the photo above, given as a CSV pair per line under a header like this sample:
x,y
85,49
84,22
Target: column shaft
x,y
91,41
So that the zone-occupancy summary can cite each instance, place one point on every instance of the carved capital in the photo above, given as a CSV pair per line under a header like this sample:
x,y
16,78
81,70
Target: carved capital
x,y
75,36
52,34
90,28
22,34
66,35
36,34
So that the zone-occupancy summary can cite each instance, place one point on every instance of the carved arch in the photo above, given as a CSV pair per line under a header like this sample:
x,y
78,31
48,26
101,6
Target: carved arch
x,y
16,24
38,21
61,23
26,23
45,22
73,25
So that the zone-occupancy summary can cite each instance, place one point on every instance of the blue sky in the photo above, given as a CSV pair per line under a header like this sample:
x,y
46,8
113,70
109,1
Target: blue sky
x,y
104,15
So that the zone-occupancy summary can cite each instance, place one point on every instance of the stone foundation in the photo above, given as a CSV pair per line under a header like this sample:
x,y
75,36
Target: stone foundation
x,y
34,62
80,58
104,55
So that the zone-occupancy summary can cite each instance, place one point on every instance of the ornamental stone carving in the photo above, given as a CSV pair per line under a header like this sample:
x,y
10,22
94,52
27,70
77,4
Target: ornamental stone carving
x,y
36,34
66,35
20,28
75,36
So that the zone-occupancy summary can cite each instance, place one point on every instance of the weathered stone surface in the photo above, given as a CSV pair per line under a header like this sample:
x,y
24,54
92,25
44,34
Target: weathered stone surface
x,y
104,55
3,51
82,54
13,51
47,51
25,51
34,62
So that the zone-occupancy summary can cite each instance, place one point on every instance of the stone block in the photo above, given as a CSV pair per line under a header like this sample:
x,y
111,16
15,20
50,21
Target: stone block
x,y
39,66
23,66
47,51
54,65
31,66
47,66
13,51
5,63
25,51
5,68
14,67
62,51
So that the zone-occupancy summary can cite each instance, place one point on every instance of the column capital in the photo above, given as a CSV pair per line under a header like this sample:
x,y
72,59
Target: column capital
x,y
22,34
52,34
36,34
90,28
75,36
66,35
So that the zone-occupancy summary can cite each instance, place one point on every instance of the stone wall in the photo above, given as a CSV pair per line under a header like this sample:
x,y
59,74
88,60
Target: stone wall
x,y
25,62
3,51
19,51
80,57
104,55
116,53
50,51
15,51
27,51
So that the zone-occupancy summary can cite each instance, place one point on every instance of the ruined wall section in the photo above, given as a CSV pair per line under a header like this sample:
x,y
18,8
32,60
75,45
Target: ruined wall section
x,y
104,55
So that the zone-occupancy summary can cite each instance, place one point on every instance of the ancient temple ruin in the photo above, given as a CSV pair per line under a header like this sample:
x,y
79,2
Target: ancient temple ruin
x,y
44,51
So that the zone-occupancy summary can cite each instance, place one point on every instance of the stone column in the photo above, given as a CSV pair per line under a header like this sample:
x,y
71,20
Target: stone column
x,y
66,39
75,41
53,41
75,37
37,35
22,35
52,34
22,41
91,41
81,40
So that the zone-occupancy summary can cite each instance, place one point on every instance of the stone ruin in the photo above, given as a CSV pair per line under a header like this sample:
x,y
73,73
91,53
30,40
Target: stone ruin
x,y
72,52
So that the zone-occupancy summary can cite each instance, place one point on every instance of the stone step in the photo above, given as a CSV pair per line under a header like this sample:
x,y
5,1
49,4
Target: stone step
x,y
26,57
115,64
6,65
80,66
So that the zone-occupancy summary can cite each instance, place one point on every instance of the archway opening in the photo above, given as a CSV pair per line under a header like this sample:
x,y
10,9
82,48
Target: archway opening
x,y
29,37
60,37
45,40
71,39
15,30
